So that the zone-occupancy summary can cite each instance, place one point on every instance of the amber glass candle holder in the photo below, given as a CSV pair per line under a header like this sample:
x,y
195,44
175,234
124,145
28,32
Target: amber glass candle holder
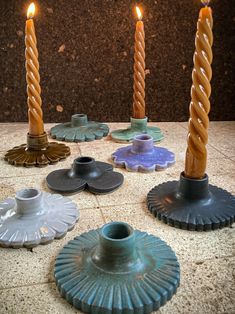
x,y
37,152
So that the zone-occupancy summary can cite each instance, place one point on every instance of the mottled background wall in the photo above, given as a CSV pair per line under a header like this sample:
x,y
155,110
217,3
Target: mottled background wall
x,y
86,58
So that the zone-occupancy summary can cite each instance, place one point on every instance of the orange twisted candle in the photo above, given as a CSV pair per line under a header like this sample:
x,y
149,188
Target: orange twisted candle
x,y
196,154
34,101
139,70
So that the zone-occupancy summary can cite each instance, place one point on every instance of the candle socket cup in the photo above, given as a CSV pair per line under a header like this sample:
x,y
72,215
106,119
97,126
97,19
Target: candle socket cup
x,y
79,130
37,152
116,270
86,173
143,156
192,204
34,217
137,127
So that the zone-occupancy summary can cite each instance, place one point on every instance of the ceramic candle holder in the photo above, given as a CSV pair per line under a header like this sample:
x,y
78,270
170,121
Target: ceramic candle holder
x,y
117,270
192,204
34,217
79,130
37,152
143,156
86,173
137,127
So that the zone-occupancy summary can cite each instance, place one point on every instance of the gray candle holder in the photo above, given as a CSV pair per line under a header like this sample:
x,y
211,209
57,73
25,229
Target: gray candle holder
x,y
137,127
34,217
79,130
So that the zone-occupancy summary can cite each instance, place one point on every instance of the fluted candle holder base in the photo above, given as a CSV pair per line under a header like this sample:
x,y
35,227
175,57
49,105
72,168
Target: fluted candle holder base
x,y
79,130
143,156
34,217
137,127
192,204
37,152
117,270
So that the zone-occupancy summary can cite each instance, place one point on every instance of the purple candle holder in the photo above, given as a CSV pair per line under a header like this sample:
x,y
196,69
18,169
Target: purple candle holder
x,y
143,156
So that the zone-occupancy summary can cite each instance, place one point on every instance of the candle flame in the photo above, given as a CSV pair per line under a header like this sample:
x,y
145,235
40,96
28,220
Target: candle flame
x,y
31,11
138,11
205,2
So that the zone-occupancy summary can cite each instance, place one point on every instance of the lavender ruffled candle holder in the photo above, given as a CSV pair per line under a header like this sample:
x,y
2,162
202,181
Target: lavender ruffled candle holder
x,y
117,270
79,130
34,217
143,156
137,127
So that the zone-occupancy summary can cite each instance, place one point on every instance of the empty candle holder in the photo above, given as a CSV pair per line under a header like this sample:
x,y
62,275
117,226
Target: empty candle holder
x,y
117,270
79,130
143,156
192,204
86,173
37,152
137,127
34,217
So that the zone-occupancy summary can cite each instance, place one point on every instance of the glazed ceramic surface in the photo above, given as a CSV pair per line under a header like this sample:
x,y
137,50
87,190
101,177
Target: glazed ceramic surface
x,y
34,217
37,152
143,156
116,270
79,130
86,173
137,127
192,204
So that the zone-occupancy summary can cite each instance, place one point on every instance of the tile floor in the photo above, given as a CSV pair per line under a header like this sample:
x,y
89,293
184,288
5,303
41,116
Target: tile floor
x,y
207,259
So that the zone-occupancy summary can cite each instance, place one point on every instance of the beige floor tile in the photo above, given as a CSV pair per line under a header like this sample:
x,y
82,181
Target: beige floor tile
x,y
206,287
189,246
23,267
39,299
134,189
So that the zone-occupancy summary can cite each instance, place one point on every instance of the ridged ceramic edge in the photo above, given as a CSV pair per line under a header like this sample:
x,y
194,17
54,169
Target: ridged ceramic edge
x,y
79,134
140,168
55,152
67,216
159,211
140,296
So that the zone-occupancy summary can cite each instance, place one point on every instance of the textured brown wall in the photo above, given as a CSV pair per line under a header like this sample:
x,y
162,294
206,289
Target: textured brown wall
x,y
93,73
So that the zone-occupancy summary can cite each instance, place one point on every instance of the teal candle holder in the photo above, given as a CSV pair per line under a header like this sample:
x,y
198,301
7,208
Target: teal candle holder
x,y
117,270
79,130
137,127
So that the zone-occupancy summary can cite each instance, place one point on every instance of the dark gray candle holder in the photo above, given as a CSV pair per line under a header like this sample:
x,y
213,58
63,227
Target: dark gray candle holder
x,y
192,204
86,173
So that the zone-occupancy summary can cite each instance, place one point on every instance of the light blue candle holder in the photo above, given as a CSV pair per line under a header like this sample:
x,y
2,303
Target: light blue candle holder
x,y
137,127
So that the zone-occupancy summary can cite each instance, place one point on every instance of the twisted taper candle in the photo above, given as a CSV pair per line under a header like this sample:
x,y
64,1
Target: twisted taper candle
x,y
139,73
196,154
34,101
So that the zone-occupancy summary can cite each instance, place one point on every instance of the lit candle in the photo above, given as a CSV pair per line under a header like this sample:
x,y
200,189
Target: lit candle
x,y
196,155
139,69
34,101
